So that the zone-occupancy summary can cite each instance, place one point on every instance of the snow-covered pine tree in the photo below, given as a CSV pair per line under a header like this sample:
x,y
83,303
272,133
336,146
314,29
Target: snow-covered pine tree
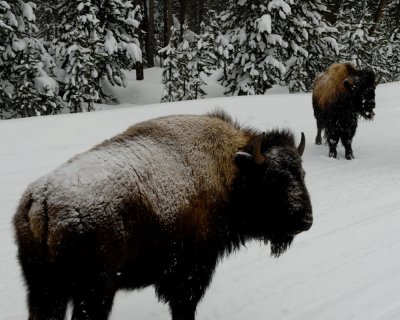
x,y
354,22
252,28
276,42
186,62
80,53
312,44
7,22
178,67
170,74
202,59
223,49
47,19
28,87
387,54
25,95
98,39
159,43
185,67
119,24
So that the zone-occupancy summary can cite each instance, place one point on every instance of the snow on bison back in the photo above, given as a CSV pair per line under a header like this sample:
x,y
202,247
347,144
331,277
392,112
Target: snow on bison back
x,y
159,205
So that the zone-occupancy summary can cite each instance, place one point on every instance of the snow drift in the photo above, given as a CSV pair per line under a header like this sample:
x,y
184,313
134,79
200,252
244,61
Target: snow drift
x,y
346,267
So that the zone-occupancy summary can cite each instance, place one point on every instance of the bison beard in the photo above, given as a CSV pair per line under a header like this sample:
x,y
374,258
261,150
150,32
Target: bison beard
x,y
159,204
341,95
279,244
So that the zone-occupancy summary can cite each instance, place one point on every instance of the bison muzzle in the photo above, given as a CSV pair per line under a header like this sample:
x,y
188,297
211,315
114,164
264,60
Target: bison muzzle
x,y
159,204
341,95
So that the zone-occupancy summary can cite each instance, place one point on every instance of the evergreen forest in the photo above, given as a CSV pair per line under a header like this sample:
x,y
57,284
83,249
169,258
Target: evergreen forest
x,y
56,56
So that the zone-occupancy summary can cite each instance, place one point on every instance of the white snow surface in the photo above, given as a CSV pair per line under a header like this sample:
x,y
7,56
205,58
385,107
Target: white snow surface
x,y
347,266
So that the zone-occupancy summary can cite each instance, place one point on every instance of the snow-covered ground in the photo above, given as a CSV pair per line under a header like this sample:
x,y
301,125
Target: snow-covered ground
x,y
346,267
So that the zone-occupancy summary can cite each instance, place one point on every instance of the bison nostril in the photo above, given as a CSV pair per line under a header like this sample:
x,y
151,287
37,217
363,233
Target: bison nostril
x,y
303,226
307,224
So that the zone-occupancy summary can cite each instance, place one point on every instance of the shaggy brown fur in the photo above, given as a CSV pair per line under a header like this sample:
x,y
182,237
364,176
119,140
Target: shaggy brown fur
x,y
159,205
341,94
329,86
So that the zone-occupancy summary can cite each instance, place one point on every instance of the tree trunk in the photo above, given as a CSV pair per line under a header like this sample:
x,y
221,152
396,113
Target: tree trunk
x,y
139,71
167,21
202,14
333,7
378,15
149,40
182,15
397,24
139,65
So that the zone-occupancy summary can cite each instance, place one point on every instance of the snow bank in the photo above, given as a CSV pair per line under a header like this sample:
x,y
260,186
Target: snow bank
x,y
346,267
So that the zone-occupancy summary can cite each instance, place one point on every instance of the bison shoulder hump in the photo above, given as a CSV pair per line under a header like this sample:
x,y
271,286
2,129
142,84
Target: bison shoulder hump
x,y
328,86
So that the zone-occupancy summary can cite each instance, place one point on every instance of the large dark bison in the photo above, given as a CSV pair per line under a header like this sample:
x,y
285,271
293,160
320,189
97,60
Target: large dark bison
x,y
341,94
159,204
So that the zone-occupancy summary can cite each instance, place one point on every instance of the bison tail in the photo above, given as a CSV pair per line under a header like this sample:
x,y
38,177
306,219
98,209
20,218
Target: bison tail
x,y
31,223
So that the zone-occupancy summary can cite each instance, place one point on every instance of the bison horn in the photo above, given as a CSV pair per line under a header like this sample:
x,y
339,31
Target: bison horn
x,y
259,158
302,145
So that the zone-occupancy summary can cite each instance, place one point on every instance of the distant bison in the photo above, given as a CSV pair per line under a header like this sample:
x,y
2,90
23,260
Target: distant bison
x,y
159,204
342,94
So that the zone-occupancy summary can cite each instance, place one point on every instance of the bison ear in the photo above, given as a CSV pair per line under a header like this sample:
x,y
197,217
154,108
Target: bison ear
x,y
347,84
259,157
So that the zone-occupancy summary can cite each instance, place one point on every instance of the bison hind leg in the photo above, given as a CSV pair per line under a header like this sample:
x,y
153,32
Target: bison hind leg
x,y
320,124
93,295
46,302
47,293
318,138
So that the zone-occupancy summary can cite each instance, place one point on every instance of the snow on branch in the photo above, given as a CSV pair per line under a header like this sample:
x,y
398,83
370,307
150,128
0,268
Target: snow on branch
x,y
265,24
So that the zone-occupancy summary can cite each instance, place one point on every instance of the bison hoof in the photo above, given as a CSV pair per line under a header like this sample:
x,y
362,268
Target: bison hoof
x,y
318,141
349,156
333,154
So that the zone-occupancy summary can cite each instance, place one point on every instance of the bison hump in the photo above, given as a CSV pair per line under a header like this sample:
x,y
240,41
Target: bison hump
x,y
329,87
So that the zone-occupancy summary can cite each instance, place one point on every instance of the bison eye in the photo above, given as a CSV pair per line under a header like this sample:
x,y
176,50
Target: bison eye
x,y
369,93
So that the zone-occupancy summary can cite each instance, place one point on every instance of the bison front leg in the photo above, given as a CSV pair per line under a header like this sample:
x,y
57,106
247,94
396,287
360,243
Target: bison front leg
x,y
183,293
348,150
347,139
333,142
183,310
184,289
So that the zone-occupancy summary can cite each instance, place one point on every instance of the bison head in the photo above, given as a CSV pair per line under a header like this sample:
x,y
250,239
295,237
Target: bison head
x,y
362,90
278,205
